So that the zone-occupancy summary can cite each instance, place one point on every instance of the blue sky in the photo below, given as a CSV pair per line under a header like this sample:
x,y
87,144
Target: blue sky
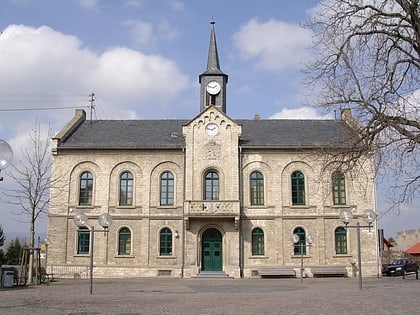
x,y
142,59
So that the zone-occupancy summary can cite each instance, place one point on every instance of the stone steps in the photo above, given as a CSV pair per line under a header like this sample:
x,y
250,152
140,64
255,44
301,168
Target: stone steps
x,y
212,275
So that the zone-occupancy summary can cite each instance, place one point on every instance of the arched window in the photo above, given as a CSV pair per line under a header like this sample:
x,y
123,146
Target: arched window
x,y
83,240
126,189
298,188
257,242
257,188
167,189
124,241
165,239
300,246
340,235
86,189
339,188
211,190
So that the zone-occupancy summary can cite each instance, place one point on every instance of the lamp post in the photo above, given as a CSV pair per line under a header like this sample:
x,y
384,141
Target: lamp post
x,y
6,155
80,220
295,238
368,216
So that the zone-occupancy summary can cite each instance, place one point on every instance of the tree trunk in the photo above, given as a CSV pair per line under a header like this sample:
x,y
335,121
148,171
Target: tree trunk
x,y
31,251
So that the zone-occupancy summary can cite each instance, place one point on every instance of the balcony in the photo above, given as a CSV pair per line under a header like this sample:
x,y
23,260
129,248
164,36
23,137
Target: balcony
x,y
206,209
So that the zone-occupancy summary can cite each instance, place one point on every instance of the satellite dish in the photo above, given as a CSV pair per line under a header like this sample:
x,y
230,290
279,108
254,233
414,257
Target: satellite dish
x,y
6,154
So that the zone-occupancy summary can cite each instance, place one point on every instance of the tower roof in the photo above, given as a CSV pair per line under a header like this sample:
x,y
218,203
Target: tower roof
x,y
213,65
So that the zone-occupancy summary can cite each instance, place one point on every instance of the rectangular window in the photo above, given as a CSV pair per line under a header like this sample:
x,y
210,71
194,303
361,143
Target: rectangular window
x,y
167,189
340,241
83,241
339,188
257,242
165,242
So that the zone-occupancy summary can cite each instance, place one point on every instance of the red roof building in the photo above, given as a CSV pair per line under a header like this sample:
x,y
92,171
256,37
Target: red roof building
x,y
414,250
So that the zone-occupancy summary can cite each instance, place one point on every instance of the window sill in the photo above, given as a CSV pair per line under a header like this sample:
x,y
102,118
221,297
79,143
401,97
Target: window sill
x,y
85,207
258,257
300,256
166,257
342,256
81,255
125,207
167,207
124,256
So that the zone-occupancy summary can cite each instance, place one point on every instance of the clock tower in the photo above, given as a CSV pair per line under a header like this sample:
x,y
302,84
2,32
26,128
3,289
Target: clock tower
x,y
213,81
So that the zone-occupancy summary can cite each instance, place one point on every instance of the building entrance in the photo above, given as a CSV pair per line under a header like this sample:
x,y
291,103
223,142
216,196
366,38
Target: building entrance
x,y
212,250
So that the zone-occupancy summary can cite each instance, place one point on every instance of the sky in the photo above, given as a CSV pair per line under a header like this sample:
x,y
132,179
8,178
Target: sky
x,y
142,59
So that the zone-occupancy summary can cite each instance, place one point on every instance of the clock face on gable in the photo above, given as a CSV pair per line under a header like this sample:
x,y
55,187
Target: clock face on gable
x,y
212,129
213,88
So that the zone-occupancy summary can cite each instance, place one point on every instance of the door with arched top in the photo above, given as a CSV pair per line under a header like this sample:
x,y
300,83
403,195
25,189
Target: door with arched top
x,y
212,250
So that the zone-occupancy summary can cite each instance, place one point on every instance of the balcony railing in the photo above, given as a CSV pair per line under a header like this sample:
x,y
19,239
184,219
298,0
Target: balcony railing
x,y
217,208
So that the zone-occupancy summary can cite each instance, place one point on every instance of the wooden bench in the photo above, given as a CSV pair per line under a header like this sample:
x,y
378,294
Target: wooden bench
x,y
276,272
329,271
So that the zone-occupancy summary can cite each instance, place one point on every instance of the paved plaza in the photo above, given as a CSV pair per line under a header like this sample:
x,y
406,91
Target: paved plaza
x,y
203,296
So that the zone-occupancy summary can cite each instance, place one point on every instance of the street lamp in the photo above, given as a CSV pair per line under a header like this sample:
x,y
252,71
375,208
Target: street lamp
x,y
80,220
369,217
295,238
6,155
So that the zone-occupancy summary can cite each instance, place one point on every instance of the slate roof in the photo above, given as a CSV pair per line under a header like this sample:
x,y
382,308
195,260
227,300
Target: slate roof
x,y
167,134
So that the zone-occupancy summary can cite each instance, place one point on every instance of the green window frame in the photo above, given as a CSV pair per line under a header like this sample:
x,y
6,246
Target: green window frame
x,y
339,188
86,189
124,241
211,186
167,189
165,240
340,236
257,188
300,247
257,242
83,240
298,188
126,189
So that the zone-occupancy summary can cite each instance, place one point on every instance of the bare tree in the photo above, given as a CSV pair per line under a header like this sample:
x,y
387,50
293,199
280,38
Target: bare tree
x,y
2,237
33,182
368,60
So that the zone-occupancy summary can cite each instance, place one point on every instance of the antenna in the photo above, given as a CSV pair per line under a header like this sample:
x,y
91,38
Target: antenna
x,y
92,105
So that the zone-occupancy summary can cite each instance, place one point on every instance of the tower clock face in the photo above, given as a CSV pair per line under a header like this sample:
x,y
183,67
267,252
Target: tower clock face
x,y
212,129
213,88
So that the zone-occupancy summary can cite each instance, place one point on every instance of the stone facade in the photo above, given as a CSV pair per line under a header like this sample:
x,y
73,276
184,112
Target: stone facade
x,y
406,239
209,231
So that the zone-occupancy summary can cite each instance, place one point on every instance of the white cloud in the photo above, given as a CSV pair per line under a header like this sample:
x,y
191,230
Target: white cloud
x,y
275,45
176,5
141,32
299,113
134,3
149,34
88,4
37,63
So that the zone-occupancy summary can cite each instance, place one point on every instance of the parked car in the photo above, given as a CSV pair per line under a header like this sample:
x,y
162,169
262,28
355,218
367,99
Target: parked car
x,y
397,266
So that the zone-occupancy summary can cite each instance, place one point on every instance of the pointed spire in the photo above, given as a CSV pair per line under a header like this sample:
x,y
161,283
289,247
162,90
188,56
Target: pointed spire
x,y
213,58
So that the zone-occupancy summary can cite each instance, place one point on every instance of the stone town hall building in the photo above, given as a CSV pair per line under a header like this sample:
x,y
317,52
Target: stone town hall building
x,y
207,194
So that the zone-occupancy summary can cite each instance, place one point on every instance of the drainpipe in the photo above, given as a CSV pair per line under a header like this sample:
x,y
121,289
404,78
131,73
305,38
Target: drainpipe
x,y
183,212
241,197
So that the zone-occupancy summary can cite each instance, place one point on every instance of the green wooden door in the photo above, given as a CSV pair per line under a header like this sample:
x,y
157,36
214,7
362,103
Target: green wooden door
x,y
212,250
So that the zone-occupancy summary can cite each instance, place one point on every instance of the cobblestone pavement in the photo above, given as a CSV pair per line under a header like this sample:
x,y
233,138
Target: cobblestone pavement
x,y
202,296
